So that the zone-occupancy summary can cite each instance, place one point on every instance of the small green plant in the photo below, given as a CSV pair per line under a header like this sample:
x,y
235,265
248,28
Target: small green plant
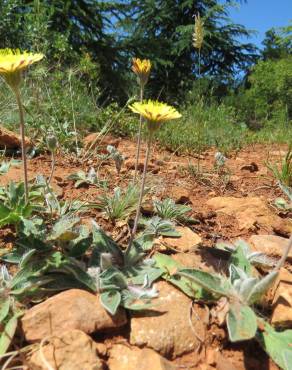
x,y
281,203
116,156
235,297
152,229
157,226
199,174
59,208
167,209
122,278
15,207
222,170
283,171
5,166
91,178
8,311
46,260
220,161
51,260
241,250
237,293
120,205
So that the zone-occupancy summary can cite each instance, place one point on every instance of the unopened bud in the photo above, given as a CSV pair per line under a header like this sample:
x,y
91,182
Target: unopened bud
x,y
52,142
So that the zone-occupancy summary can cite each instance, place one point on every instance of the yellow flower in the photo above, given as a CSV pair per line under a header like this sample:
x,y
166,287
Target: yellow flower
x,y
155,112
198,36
12,62
142,69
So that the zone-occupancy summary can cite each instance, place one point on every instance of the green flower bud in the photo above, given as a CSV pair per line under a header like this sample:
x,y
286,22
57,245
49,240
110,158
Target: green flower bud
x,y
52,142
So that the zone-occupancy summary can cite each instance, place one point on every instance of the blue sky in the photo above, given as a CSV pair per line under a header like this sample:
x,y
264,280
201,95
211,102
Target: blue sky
x,y
261,15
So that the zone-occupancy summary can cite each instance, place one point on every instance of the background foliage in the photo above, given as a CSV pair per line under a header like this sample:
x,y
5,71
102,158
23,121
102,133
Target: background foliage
x,y
86,77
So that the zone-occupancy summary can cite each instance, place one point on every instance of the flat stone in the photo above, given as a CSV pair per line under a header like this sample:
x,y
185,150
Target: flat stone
x,y
272,245
133,358
250,212
186,242
193,260
95,140
11,140
72,350
71,309
130,165
179,194
57,189
167,327
224,363
282,302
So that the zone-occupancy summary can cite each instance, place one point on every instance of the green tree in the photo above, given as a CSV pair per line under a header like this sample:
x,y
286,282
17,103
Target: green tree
x,y
65,30
161,30
114,31
278,43
270,94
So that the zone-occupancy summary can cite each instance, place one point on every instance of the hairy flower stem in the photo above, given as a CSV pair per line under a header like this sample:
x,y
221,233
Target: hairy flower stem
x,y
53,163
199,70
139,135
23,150
142,188
73,115
285,255
200,130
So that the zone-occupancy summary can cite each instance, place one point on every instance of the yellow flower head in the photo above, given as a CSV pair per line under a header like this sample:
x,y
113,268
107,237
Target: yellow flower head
x,y
142,69
198,36
154,112
12,62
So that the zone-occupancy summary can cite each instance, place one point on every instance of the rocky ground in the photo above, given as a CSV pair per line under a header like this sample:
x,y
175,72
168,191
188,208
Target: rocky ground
x,y
76,332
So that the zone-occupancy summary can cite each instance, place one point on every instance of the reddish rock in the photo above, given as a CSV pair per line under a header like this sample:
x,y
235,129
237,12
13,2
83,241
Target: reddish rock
x,y
272,245
11,140
133,358
250,212
72,350
186,242
58,190
224,363
130,165
72,309
167,327
282,302
197,260
179,194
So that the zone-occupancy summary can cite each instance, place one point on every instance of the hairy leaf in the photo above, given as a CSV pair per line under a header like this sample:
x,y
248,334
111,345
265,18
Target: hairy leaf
x,y
104,244
63,229
239,257
7,334
4,307
133,254
261,287
277,344
111,300
241,322
210,282
170,268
